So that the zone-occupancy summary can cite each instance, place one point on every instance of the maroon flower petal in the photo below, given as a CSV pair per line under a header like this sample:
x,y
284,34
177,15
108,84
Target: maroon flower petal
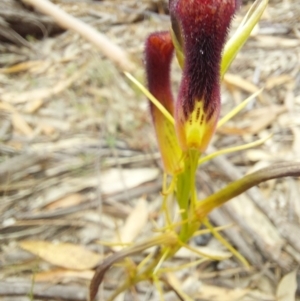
x,y
158,55
203,26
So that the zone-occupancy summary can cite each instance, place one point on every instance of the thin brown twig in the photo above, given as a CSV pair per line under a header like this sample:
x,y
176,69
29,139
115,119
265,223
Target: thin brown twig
x,y
109,49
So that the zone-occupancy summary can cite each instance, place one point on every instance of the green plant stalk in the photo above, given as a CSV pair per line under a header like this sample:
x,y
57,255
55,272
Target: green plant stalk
x,y
186,193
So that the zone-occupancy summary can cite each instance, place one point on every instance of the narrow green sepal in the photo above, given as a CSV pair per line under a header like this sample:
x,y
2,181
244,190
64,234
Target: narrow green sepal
x,y
242,34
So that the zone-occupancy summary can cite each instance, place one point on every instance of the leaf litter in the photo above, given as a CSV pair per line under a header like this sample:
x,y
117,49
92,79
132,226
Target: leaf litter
x,y
79,166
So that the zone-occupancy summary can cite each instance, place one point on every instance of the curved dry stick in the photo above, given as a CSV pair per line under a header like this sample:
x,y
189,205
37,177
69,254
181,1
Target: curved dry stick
x,y
109,49
280,170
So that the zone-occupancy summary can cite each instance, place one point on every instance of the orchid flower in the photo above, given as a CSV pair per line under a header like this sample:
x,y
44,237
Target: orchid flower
x,y
184,125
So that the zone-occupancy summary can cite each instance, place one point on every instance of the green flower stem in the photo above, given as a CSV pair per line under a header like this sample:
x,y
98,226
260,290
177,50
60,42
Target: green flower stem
x,y
186,193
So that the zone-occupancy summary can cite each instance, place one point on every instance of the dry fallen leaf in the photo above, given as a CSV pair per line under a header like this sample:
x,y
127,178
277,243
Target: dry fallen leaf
x,y
67,201
48,130
227,130
18,121
206,251
134,224
33,106
58,275
115,180
215,293
21,67
263,117
240,82
287,287
64,255
277,81
21,125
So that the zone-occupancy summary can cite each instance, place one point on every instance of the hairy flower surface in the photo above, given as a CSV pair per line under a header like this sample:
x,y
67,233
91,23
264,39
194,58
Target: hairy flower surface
x,y
200,29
